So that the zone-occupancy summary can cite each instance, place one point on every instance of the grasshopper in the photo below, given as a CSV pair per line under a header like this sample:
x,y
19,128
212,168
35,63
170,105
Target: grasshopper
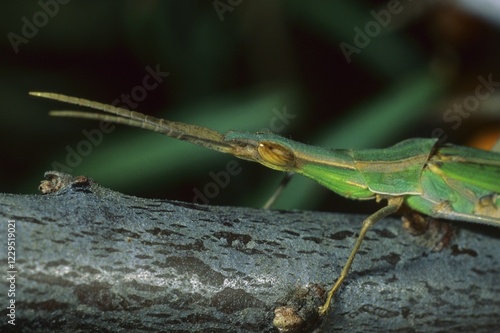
x,y
439,180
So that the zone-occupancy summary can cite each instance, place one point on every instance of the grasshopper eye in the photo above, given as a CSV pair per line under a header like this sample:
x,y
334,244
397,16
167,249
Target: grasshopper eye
x,y
276,154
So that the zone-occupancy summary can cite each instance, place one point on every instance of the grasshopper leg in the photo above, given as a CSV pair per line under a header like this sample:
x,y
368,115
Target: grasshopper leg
x,y
270,202
391,208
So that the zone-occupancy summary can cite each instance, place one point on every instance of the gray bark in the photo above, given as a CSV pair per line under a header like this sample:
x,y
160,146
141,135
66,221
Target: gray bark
x,y
92,260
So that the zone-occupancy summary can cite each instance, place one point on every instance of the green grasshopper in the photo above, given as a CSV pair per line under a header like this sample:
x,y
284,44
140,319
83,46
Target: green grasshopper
x,y
442,181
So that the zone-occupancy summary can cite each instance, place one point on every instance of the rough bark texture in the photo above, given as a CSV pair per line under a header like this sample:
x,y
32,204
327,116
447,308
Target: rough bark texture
x,y
92,260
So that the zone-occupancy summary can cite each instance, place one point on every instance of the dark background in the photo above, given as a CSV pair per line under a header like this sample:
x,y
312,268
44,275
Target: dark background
x,y
230,67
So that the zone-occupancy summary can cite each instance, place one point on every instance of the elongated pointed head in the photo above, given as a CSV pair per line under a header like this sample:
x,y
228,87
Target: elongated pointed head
x,y
270,150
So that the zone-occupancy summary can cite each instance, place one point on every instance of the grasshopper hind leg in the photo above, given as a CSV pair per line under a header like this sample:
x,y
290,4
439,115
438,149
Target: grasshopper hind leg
x,y
392,207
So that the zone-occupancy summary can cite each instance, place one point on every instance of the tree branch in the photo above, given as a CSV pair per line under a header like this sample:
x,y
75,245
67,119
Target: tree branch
x,y
90,259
